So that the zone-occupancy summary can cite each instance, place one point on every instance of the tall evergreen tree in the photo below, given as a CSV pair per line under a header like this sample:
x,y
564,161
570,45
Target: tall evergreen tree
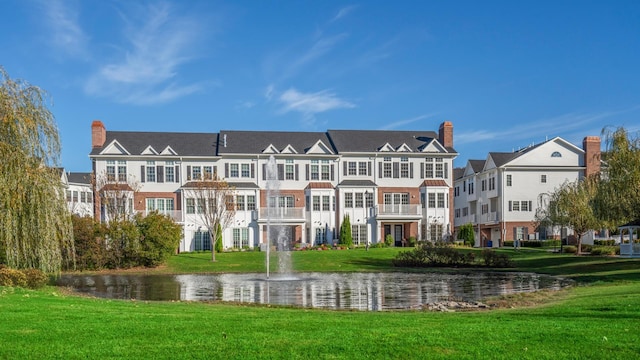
x,y
35,224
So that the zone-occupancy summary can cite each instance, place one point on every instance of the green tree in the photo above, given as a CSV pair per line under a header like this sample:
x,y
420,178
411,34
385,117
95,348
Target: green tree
x,y
89,243
575,201
219,246
35,224
618,197
345,232
467,234
160,238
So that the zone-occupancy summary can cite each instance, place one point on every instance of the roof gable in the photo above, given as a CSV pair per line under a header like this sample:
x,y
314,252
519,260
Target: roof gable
x,y
386,148
114,148
403,148
432,146
270,150
168,151
554,152
288,150
149,151
319,148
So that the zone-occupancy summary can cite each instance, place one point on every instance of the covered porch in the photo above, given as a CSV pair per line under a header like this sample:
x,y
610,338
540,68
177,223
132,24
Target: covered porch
x,y
629,247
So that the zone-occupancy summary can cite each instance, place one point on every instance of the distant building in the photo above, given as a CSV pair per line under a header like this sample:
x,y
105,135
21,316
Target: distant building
x,y
79,193
499,195
390,183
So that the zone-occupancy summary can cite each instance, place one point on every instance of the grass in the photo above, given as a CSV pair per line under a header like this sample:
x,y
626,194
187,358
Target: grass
x,y
596,320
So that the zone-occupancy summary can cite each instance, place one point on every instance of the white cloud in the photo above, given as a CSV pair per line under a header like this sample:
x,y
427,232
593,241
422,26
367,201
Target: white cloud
x,y
311,103
344,12
399,123
67,36
158,43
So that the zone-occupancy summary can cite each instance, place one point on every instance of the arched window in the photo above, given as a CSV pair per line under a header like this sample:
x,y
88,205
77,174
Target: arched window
x,y
556,154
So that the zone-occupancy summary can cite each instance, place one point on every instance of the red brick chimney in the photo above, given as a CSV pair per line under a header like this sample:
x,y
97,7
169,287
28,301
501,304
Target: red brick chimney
x,y
98,134
445,134
591,147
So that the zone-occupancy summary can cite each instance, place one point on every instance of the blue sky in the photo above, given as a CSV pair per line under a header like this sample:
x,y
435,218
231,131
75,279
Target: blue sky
x,y
506,73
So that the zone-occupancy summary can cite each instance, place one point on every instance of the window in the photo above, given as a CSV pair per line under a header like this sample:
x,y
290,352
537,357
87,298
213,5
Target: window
x,y
484,185
524,206
191,206
465,211
208,172
240,238
325,170
362,168
245,170
163,206
240,202
386,168
111,170
251,202
359,234
439,168
233,171
201,206
326,205
228,201
122,171
83,197
359,200
543,179
404,167
556,154
435,231
472,188
169,175
351,168
68,195
509,180
432,200
348,200
196,172
75,197
428,168
436,168
441,200
484,209
457,213
456,191
151,171
201,241
316,203
315,170
516,206
492,183
288,170
368,198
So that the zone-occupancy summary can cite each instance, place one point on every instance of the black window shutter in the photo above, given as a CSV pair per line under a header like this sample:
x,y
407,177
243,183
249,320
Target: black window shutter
x,y
530,206
297,171
396,170
345,166
280,171
515,233
421,170
509,205
253,171
142,174
446,172
332,171
160,170
264,171
369,168
411,170
188,172
226,171
306,169
177,173
380,170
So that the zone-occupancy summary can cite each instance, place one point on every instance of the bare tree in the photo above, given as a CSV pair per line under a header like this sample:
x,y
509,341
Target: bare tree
x,y
215,206
115,195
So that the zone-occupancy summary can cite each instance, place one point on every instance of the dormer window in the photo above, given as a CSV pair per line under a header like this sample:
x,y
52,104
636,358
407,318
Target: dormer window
x,y
556,154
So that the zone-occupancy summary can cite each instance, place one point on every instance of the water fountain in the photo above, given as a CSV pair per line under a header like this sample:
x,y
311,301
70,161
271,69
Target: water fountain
x,y
275,230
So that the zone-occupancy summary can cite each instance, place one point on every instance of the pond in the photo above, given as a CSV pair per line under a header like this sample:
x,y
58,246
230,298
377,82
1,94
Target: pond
x,y
358,291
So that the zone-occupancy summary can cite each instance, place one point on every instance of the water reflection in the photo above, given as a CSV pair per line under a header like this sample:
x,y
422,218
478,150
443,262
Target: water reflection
x,y
360,291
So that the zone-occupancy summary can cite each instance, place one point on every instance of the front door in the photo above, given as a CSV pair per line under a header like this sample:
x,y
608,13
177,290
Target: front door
x,y
397,234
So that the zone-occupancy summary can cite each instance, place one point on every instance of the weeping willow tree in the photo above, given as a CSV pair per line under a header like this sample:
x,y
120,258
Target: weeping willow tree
x,y
35,224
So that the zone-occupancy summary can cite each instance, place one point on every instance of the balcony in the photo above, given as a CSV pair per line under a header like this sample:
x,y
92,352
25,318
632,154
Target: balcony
x,y
281,214
398,211
175,215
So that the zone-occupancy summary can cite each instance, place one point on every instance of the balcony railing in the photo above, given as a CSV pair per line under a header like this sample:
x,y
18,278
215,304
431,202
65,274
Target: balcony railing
x,y
399,210
281,213
176,215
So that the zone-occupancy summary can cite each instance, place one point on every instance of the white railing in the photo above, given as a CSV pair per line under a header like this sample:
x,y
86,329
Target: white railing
x,y
399,210
281,213
175,215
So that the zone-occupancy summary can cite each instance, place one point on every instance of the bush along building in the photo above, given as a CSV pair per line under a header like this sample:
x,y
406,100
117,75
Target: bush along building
x,y
389,183
500,195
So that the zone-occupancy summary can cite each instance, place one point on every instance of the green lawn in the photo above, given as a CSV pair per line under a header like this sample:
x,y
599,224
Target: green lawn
x,y
596,320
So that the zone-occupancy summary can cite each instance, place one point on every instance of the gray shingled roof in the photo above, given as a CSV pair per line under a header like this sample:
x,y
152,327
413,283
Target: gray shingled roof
x,y
458,173
79,177
358,183
477,165
372,140
255,142
185,144
501,158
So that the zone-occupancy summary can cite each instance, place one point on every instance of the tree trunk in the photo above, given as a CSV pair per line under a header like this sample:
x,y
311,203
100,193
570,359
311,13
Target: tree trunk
x,y
214,237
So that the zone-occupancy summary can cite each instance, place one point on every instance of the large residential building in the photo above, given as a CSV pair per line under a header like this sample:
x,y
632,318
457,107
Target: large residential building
x,y
79,193
389,183
499,196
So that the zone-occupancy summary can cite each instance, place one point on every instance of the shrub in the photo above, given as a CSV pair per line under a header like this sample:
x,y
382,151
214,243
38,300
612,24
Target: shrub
x,y
160,238
429,254
90,247
603,250
346,237
467,234
388,240
411,241
570,249
35,278
508,243
12,277
610,242
496,260
219,247
378,245
586,248
123,244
